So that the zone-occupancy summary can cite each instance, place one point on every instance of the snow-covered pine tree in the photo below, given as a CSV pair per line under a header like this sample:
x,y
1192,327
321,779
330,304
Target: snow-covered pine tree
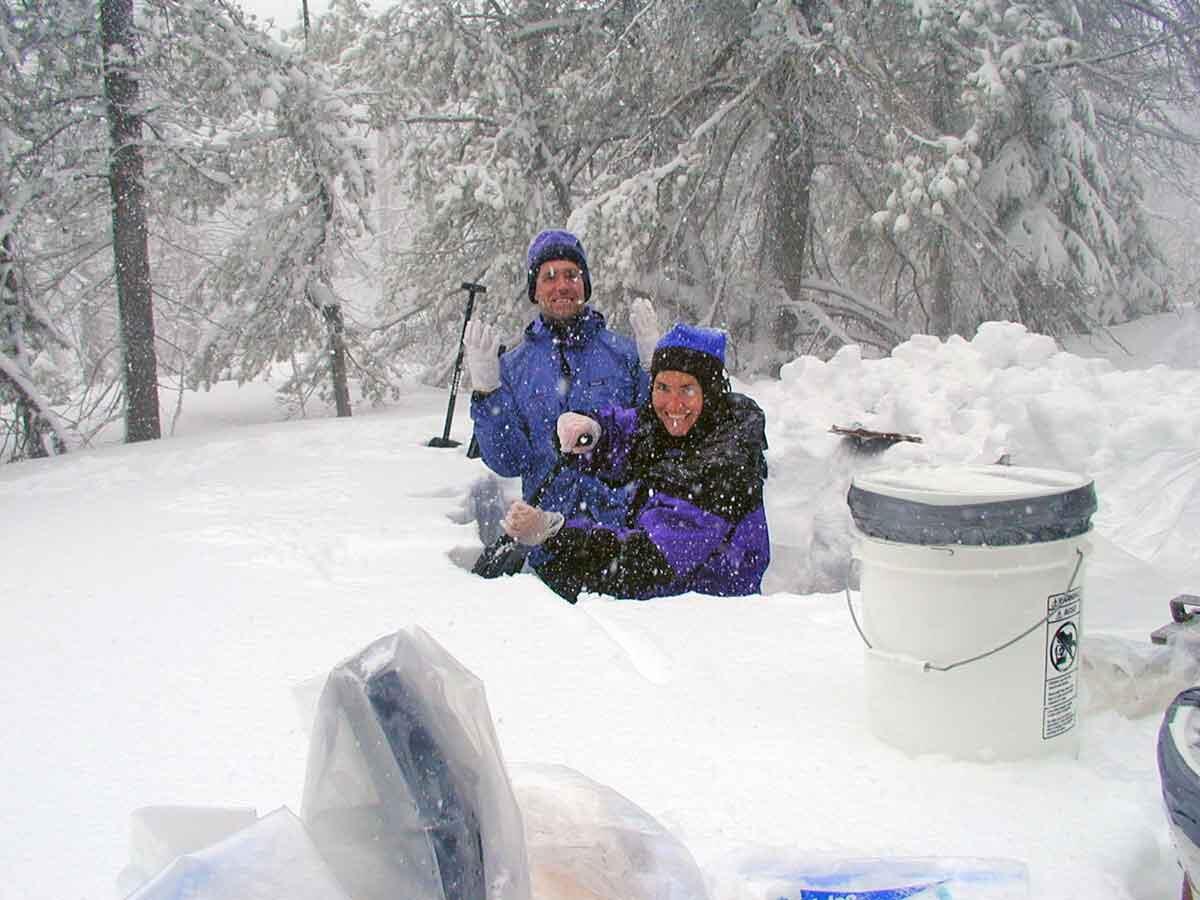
x,y
255,185
481,112
663,133
726,159
268,160
59,357
1004,201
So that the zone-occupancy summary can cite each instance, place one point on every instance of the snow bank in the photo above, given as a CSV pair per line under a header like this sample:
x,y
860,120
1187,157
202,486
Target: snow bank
x,y
1006,394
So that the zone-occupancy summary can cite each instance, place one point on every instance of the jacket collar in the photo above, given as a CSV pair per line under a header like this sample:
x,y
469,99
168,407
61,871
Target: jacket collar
x,y
574,333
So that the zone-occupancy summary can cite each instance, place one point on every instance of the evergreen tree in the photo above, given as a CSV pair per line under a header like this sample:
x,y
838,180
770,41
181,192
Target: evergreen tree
x,y
57,362
1004,199
265,151
254,185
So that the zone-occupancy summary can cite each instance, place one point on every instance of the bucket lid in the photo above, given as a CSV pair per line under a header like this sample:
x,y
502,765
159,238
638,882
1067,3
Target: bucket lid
x,y
993,506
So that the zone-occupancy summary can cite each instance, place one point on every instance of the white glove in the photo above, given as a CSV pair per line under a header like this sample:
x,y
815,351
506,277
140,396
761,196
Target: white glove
x,y
644,322
577,433
529,525
483,363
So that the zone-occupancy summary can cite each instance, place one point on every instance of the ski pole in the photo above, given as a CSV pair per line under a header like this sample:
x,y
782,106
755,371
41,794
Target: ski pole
x,y
444,441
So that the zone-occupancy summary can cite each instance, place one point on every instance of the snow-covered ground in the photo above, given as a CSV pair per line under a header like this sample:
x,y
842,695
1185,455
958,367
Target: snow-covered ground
x,y
170,610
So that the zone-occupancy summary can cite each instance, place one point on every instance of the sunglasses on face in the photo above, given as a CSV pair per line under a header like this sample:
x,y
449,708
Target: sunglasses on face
x,y
550,274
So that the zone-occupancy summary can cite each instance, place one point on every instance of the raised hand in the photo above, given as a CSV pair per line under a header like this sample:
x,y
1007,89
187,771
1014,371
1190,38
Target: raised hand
x,y
644,322
483,363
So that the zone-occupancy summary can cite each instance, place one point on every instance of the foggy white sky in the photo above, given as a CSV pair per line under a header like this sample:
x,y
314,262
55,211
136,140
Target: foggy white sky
x,y
285,12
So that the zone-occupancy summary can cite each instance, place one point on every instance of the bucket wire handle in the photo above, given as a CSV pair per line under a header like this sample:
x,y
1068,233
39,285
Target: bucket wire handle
x,y
850,605
925,664
1078,563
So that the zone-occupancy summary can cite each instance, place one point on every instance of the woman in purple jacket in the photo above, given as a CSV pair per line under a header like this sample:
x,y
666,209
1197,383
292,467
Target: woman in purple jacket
x,y
694,454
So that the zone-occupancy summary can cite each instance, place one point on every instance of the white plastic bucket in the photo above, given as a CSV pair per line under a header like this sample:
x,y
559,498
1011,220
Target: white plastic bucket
x,y
972,607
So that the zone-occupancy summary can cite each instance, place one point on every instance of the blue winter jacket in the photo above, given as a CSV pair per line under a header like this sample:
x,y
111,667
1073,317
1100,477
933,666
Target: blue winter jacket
x,y
581,366
696,521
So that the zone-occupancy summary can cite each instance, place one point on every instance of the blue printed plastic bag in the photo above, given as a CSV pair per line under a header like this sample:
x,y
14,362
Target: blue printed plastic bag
x,y
763,875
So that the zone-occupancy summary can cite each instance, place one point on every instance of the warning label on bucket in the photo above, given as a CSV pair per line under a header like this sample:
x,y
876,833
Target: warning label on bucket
x,y
1062,650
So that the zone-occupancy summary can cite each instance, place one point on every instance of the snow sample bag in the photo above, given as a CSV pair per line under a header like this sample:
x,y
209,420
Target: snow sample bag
x,y
405,792
160,834
271,858
588,842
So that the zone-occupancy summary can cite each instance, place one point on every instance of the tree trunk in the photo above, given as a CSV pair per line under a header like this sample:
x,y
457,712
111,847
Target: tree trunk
x,y
791,166
337,360
790,170
791,173
332,313
941,318
130,251
941,310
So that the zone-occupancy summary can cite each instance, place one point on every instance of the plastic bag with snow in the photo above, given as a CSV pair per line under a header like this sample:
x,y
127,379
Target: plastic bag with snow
x,y
271,858
406,793
159,834
774,877
588,842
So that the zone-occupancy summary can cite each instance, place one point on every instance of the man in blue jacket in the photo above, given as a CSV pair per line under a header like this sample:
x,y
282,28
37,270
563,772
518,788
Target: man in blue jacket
x,y
568,360
695,453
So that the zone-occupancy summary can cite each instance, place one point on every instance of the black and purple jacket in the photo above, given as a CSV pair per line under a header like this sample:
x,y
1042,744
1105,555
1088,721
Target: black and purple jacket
x,y
696,521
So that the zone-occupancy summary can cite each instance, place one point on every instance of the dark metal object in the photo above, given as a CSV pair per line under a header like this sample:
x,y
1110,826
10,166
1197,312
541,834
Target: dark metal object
x,y
869,441
444,441
1183,619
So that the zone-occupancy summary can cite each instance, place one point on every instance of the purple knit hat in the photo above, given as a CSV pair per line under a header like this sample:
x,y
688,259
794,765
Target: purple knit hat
x,y
557,244
700,352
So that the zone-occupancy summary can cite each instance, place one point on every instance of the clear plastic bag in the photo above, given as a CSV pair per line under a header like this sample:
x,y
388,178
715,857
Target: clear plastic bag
x,y
406,793
588,842
271,858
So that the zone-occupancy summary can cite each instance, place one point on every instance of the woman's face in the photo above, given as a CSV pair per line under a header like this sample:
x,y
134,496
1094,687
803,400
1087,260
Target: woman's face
x,y
677,400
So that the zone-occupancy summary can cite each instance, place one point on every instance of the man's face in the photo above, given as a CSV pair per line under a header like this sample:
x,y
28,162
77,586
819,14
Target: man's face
x,y
558,289
677,400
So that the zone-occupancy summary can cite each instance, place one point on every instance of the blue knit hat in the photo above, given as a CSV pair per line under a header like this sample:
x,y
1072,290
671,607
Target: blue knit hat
x,y
556,244
699,352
